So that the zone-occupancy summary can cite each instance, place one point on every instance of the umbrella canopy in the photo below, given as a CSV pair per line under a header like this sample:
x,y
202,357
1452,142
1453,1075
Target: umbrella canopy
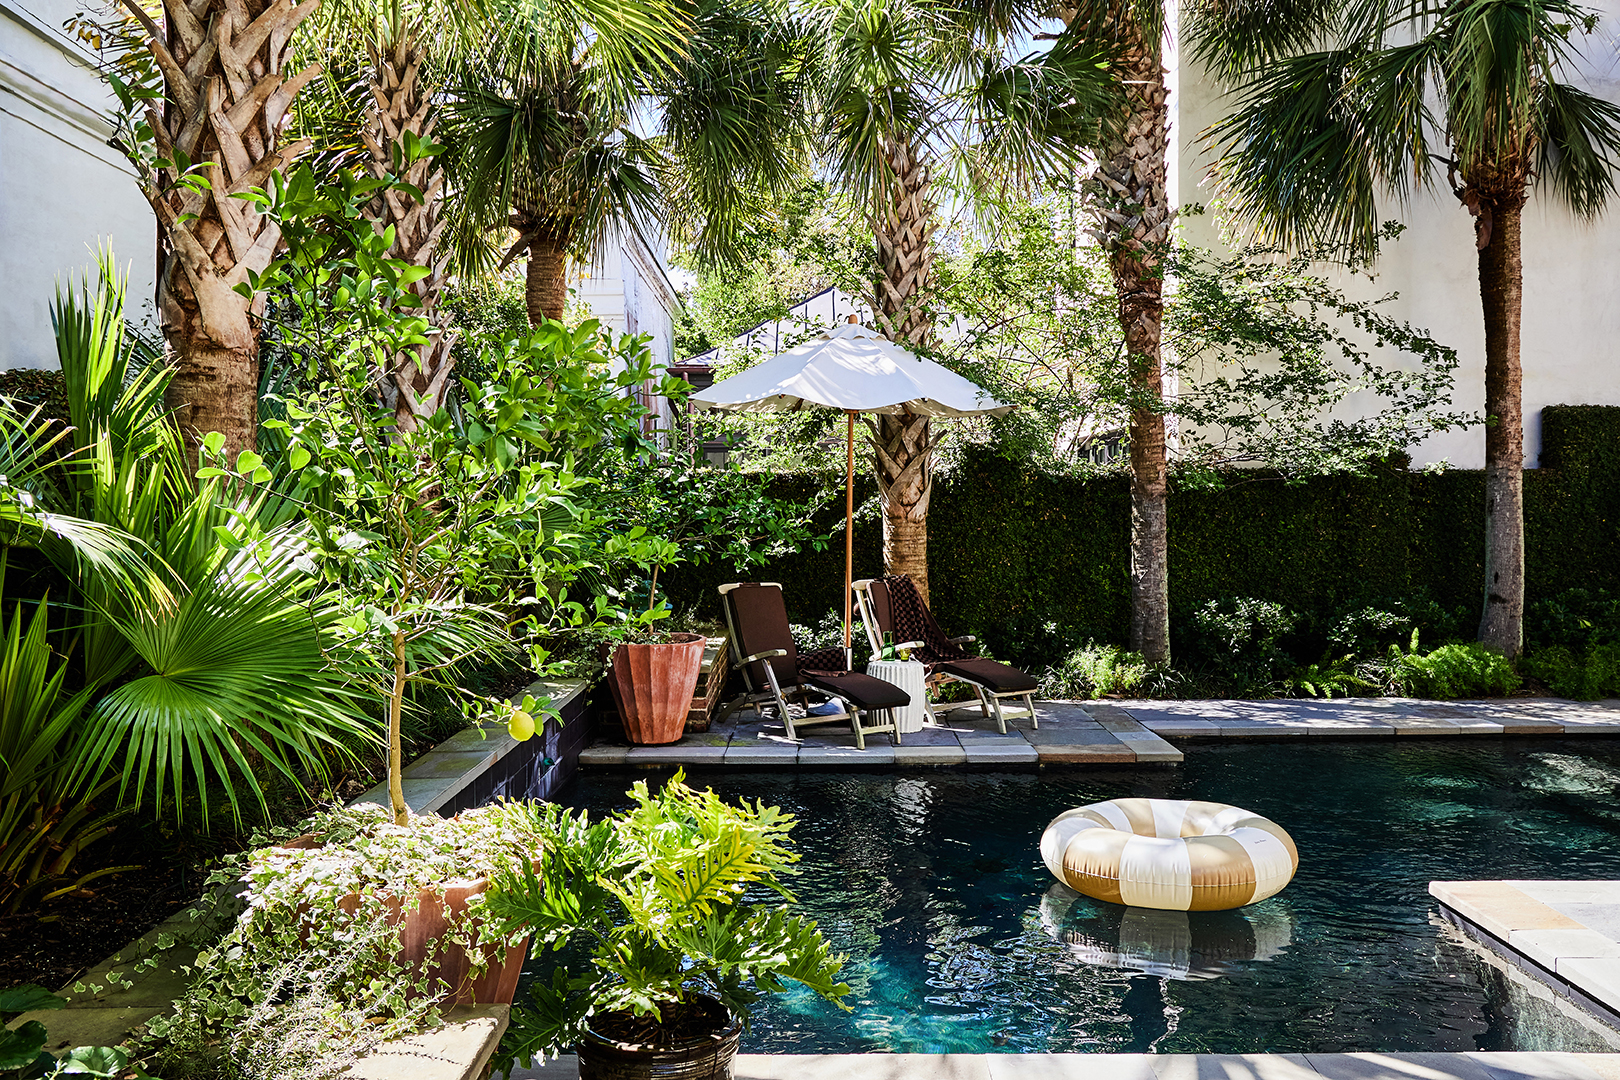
x,y
853,369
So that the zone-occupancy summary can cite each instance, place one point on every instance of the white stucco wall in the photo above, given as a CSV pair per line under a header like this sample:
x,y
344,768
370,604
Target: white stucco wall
x,y
62,189
1571,328
627,287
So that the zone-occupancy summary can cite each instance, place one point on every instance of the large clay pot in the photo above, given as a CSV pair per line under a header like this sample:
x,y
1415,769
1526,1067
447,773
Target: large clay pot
x,y
435,910
703,1056
653,686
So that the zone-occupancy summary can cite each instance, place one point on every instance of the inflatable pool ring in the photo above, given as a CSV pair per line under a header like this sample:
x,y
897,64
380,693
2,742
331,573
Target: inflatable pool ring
x,y
1169,854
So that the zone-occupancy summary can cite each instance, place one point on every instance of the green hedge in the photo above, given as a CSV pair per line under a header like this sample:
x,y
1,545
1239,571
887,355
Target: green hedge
x,y
1034,564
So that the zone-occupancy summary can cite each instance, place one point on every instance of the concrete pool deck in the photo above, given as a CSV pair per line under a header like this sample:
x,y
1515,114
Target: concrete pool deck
x,y
1566,934
1106,733
1436,1066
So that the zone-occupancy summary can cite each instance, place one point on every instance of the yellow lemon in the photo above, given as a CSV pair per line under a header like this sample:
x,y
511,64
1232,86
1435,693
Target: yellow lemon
x,y
520,725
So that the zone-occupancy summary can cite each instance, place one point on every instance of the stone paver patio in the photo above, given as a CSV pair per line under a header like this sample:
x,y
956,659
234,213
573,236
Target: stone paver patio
x,y
1094,733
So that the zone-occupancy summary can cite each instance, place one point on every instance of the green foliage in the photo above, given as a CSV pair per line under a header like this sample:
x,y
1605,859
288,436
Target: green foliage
x,y
197,640
1584,675
1466,669
1094,671
46,820
661,896
36,386
22,1048
308,977
1033,562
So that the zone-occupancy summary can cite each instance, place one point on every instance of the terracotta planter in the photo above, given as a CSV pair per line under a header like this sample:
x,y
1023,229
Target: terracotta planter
x,y
653,685
430,921
706,1056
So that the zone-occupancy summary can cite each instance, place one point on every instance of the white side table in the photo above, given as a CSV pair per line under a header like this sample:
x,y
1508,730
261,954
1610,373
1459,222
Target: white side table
x,y
908,675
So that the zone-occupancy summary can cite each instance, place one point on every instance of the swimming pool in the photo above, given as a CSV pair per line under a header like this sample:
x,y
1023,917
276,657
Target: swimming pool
x,y
960,942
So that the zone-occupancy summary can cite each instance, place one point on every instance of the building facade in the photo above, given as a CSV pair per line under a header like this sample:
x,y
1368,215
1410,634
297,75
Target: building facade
x,y
63,189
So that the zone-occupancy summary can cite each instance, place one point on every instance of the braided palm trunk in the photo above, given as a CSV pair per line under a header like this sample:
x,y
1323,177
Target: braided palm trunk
x,y
416,386
1135,217
904,444
226,95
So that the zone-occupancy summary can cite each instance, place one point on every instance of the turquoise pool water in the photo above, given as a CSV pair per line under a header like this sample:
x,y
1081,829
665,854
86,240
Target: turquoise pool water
x,y
959,941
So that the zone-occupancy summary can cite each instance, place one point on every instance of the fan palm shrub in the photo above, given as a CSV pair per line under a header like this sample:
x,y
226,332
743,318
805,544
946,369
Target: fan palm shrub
x,y
46,819
206,647
1352,102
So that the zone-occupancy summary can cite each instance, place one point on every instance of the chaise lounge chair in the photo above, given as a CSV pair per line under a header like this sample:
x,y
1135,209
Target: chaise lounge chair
x,y
891,605
773,671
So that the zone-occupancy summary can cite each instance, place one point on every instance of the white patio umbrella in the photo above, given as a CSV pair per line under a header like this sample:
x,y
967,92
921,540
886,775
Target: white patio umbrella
x,y
854,369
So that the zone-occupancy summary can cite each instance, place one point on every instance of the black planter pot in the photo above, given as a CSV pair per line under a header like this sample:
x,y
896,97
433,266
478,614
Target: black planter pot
x,y
700,1057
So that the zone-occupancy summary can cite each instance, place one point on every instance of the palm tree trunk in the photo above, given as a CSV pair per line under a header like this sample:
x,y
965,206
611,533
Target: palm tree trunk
x,y
545,286
225,97
1136,216
904,444
416,386
1501,291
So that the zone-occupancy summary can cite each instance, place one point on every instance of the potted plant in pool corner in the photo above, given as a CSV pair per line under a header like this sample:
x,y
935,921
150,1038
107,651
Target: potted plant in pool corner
x,y
677,955
652,674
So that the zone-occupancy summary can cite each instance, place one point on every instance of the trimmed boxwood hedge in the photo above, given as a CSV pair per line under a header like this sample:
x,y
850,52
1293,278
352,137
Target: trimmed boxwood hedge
x,y
1035,563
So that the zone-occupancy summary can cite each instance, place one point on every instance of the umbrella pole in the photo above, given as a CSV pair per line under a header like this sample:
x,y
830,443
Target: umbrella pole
x,y
849,533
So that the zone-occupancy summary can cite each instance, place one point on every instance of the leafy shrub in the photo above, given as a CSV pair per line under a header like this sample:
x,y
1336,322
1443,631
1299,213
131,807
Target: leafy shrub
x,y
1245,638
1368,632
1452,671
1584,676
1329,678
1574,618
1093,671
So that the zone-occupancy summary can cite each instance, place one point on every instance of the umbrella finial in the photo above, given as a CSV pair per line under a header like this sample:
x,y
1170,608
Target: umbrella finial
x,y
855,320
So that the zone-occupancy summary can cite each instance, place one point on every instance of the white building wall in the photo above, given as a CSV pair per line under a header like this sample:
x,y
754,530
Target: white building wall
x,y
62,188
1571,329
627,287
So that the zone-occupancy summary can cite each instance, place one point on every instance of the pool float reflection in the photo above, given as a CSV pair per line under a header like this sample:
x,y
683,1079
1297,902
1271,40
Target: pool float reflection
x,y
1170,944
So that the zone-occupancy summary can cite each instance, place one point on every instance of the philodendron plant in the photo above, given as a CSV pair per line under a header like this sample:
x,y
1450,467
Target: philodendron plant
x,y
653,900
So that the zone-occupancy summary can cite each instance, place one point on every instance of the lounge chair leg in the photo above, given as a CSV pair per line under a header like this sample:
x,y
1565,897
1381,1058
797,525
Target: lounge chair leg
x,y
1029,703
855,723
895,724
1001,718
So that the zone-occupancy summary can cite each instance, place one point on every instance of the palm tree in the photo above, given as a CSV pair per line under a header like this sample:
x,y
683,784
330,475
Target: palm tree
x,y
544,147
1319,134
908,92
1130,200
545,142
215,134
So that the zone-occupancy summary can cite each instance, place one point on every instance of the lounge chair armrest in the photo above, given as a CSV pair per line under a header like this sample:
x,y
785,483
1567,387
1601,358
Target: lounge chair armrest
x,y
963,640
909,645
766,655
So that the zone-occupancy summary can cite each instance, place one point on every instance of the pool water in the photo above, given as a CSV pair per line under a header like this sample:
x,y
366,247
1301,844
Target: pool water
x,y
959,941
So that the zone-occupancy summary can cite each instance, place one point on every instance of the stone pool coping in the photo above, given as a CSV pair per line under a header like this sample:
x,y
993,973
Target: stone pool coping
x,y
433,781
1106,733
1565,934
1424,1066
1070,734
1366,717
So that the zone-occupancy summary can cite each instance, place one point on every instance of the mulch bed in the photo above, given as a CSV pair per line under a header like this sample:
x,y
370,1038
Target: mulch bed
x,y
66,937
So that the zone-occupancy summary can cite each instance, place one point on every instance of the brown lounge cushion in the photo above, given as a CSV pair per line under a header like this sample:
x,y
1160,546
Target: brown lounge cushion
x,y
865,691
998,677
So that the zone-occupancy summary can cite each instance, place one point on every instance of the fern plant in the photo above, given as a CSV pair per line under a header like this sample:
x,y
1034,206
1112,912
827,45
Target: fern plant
x,y
658,896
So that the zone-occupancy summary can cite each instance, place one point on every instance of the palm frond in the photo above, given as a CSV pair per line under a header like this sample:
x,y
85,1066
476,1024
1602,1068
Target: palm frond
x,y
1579,145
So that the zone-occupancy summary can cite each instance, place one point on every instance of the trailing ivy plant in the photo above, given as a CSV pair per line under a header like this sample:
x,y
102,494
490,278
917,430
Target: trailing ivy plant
x,y
308,977
658,899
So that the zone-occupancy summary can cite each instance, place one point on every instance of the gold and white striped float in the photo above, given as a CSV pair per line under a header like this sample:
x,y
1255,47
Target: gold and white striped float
x,y
1169,854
